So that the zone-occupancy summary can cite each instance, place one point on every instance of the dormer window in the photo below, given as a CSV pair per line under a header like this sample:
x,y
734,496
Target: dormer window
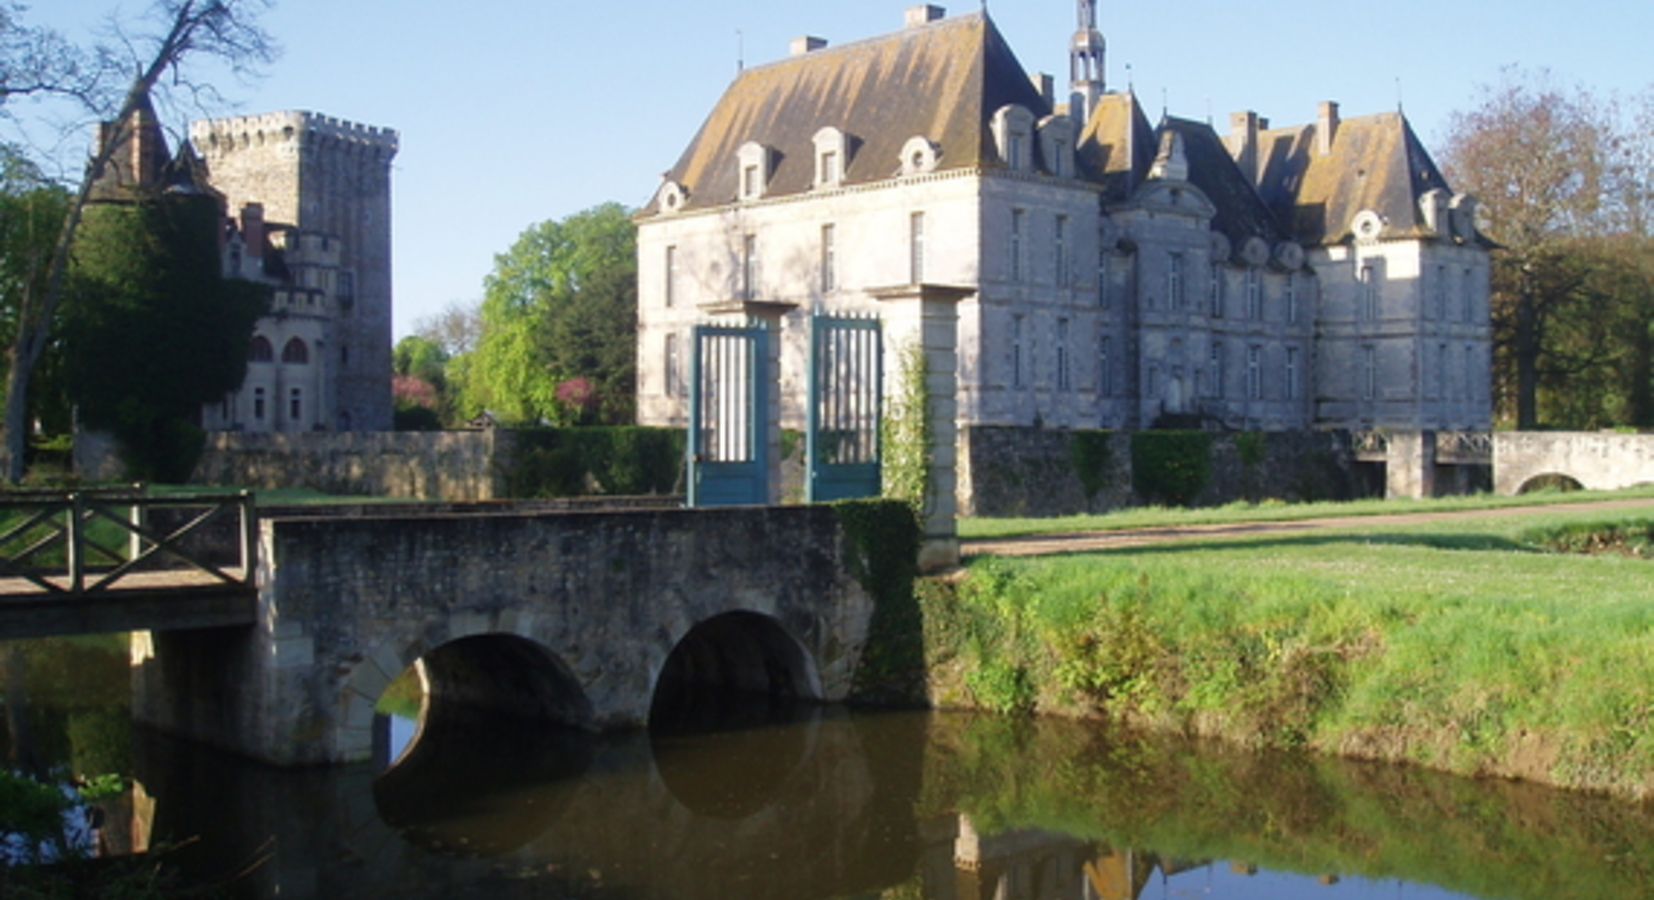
x,y
672,197
754,161
1056,139
919,155
1013,130
832,148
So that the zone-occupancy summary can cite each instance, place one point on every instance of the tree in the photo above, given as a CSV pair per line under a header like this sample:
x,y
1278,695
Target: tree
x,y
1540,159
31,208
190,29
152,329
561,304
419,383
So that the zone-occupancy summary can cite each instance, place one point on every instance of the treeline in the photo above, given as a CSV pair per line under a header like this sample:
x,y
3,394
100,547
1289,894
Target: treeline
x,y
1565,176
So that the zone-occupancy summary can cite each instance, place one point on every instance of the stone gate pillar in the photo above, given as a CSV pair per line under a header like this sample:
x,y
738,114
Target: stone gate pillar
x,y
927,316
1410,465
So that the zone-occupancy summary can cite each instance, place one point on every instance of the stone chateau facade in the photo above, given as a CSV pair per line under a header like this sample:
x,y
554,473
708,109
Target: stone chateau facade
x,y
1115,273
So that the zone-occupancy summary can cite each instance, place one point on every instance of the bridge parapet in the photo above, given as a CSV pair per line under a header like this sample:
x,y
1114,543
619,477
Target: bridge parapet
x,y
1596,460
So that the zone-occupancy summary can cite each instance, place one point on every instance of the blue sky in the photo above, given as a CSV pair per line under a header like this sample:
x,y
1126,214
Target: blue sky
x,y
513,112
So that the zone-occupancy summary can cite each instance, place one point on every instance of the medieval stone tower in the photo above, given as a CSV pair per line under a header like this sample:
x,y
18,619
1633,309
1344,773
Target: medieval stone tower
x,y
324,176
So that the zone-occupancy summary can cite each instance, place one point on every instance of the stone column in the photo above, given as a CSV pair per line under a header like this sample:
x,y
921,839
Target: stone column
x,y
1410,465
927,316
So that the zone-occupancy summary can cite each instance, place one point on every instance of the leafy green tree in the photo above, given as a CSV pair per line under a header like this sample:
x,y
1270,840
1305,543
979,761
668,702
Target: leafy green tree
x,y
31,209
560,305
152,330
419,383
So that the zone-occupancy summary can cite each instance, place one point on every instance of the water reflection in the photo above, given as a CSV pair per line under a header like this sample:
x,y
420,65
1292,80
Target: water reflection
x,y
826,803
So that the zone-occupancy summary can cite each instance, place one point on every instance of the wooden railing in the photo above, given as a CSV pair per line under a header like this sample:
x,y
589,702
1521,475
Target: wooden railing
x,y
92,542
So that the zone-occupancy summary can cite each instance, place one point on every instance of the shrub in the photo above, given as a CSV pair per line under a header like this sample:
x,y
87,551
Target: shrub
x,y
1170,467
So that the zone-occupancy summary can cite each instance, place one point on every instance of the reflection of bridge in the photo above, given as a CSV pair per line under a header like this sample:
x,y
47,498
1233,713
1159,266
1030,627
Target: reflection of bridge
x,y
573,617
1415,461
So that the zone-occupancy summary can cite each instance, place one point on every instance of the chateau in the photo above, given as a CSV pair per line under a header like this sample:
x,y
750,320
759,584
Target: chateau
x,y
1115,273
312,203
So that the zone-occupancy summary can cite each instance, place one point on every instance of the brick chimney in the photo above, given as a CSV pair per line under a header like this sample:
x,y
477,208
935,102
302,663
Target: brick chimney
x,y
1243,142
252,229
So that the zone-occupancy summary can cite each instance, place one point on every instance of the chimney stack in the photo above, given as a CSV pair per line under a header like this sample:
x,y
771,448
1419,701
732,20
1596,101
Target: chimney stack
x,y
807,44
923,15
1243,142
1326,127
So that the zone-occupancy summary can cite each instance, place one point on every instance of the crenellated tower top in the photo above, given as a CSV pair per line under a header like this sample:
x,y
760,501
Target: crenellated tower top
x,y
297,129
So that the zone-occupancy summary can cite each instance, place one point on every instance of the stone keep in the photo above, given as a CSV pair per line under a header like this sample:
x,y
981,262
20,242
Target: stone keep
x,y
327,183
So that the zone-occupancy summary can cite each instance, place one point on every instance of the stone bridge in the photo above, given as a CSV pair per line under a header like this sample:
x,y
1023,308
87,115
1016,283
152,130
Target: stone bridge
x,y
1596,460
585,618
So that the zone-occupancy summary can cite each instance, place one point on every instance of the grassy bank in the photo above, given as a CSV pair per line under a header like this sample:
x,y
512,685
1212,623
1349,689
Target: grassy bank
x,y
1462,646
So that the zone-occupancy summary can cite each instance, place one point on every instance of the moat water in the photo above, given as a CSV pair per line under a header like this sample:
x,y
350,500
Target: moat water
x,y
779,801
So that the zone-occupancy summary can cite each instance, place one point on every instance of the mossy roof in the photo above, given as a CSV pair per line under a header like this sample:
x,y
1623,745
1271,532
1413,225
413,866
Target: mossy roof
x,y
941,81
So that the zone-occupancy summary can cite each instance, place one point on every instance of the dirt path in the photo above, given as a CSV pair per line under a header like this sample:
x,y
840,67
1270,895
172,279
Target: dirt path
x,y
1078,542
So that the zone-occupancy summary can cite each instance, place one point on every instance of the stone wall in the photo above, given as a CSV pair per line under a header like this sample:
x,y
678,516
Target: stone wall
x,y
447,465
1033,471
1598,461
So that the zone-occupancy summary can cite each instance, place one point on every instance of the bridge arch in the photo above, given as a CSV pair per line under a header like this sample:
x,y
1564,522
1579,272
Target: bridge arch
x,y
741,653
1550,481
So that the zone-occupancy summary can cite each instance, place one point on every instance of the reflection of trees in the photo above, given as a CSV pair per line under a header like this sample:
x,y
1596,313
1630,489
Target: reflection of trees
x,y
1075,782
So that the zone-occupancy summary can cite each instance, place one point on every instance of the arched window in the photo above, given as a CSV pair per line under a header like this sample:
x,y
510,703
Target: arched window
x,y
259,350
295,352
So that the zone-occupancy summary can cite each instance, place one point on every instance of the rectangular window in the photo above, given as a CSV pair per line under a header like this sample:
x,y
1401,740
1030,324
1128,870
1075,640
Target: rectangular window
x,y
1017,217
1061,273
1062,354
671,275
1254,373
1369,372
258,404
1467,305
1292,384
1217,370
1254,294
1214,293
829,258
1174,281
1105,367
1291,297
1441,372
673,364
749,266
1367,302
829,167
1439,292
1016,351
749,182
295,406
1102,278
916,248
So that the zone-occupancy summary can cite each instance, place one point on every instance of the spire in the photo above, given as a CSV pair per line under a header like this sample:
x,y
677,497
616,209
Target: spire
x,y
1085,60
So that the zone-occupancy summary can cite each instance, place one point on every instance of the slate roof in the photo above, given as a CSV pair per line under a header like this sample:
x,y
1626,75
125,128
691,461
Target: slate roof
x,y
1117,146
942,80
1241,212
1376,163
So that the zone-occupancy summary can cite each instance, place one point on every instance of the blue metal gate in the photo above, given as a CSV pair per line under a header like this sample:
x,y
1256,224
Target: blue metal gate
x,y
728,406
845,396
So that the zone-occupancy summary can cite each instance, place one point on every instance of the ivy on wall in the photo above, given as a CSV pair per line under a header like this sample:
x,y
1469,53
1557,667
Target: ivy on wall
x,y
883,538
1092,456
905,433
1170,467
